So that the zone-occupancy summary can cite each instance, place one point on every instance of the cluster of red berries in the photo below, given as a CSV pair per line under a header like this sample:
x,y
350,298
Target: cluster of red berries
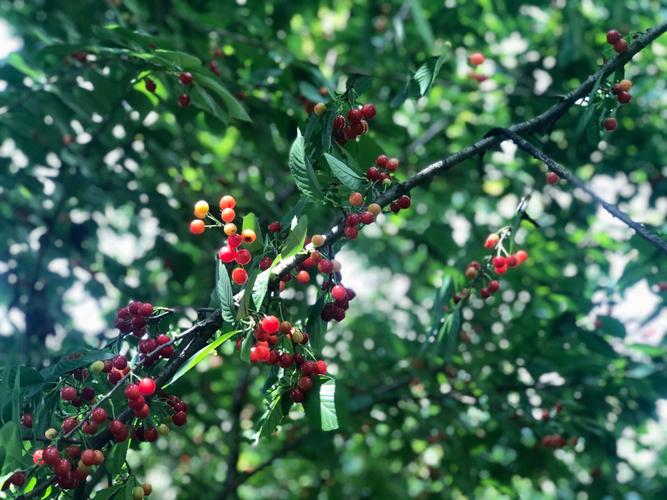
x,y
558,441
356,124
186,79
16,479
552,177
502,263
133,318
472,273
382,170
341,302
622,91
354,219
72,466
308,369
615,39
231,252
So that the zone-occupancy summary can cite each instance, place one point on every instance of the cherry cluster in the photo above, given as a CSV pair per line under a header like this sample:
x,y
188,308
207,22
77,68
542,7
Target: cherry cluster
x,y
382,170
231,252
558,441
615,39
355,125
185,79
133,318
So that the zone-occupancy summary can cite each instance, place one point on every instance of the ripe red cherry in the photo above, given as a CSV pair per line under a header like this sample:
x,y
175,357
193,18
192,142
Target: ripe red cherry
x,y
136,403
621,46
185,78
62,467
150,85
297,395
476,58
355,115
305,383
69,423
68,393
226,254
265,263
142,412
146,386
392,164
404,201
303,277
339,122
367,217
352,219
351,232
51,455
368,110
179,418
286,360
88,457
373,174
99,415
274,227
609,123
38,457
239,276
339,293
234,240
381,161
26,420
521,256
270,324
552,177
308,368
184,100
132,391
321,367
116,426
150,434
512,261
624,97
197,226
498,261
613,36
325,266
120,362
243,257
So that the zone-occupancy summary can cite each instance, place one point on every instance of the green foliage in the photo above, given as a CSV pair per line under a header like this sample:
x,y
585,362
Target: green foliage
x,y
98,177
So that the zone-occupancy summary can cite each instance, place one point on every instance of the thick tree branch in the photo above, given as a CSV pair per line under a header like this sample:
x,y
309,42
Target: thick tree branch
x,y
565,173
536,124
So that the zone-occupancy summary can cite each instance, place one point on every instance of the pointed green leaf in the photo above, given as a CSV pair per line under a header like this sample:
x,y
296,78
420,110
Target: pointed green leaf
x,y
261,285
204,100
427,73
233,106
295,240
321,405
10,437
327,128
200,355
302,172
223,293
248,290
343,173
180,59
250,222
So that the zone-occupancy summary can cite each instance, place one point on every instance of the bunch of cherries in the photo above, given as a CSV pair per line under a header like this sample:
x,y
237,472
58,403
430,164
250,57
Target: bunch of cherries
x,y
355,125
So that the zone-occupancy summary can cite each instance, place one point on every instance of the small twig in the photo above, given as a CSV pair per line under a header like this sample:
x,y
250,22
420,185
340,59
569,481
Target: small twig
x,y
565,173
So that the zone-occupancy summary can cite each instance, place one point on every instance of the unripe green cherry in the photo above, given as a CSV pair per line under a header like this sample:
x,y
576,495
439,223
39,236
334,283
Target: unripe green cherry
x,y
97,366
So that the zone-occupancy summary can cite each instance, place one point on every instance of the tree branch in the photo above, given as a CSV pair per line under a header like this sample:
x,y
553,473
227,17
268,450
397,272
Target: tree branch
x,y
559,169
536,124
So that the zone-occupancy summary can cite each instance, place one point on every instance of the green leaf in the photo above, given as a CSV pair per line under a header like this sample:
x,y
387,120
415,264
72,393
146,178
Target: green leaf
x,y
246,345
10,437
261,285
180,59
427,73
343,173
295,240
611,326
200,355
250,222
73,361
302,172
310,92
315,327
16,61
421,22
321,405
116,458
233,106
204,100
110,492
327,128
449,331
224,296
276,411
244,304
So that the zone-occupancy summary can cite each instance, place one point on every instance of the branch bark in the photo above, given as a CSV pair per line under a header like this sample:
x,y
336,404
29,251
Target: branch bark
x,y
565,173
536,124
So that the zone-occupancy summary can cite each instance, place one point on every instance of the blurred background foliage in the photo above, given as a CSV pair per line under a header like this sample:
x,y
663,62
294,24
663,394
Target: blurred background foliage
x,y
97,181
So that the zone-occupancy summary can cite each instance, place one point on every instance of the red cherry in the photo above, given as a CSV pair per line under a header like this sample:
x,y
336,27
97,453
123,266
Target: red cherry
x,y
498,261
339,292
521,256
150,85
243,257
609,123
99,415
68,393
297,395
88,457
185,78
62,467
552,177
392,164
321,367
116,426
308,368
381,161
305,384
38,457
265,263
325,266
373,174
146,386
367,217
501,270
624,97
184,100
274,227
613,36
119,362
197,226
270,324
355,115
621,46
234,240
303,277
150,434
239,276
512,261
179,418
26,420
226,254
69,423
368,110
339,122
404,201
286,360
136,403
142,412
89,427
146,309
